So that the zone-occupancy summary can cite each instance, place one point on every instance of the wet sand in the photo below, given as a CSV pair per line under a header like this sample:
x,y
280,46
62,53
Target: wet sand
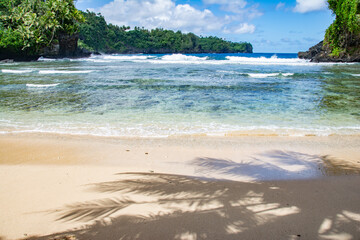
x,y
180,188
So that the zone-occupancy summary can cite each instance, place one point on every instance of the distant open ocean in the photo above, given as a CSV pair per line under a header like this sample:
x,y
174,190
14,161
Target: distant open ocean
x,y
180,95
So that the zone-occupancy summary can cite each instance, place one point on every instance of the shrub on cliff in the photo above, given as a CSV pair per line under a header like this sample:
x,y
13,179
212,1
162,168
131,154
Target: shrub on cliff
x,y
28,26
343,35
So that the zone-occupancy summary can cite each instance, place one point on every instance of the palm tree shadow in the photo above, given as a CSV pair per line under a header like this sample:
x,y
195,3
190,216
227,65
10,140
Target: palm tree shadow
x,y
209,209
276,165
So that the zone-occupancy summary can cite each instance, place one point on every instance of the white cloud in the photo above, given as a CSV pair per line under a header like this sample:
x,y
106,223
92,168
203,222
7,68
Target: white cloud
x,y
241,29
234,6
280,5
166,14
303,6
161,13
240,7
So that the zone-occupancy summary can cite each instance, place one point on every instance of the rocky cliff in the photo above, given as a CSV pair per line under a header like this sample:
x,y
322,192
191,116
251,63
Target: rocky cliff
x,y
342,38
65,47
322,53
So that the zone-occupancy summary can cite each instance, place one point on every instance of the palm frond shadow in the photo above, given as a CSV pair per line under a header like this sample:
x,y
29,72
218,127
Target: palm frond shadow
x,y
87,211
198,208
278,165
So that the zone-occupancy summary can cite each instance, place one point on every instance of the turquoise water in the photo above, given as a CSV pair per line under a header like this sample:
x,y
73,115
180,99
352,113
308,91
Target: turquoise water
x,y
175,95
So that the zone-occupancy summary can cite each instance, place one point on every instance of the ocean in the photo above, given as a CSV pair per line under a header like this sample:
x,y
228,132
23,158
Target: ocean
x,y
173,95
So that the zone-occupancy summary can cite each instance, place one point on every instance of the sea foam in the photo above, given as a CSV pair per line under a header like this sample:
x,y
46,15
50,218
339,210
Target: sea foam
x,y
16,71
267,61
265,75
126,58
41,85
181,57
63,72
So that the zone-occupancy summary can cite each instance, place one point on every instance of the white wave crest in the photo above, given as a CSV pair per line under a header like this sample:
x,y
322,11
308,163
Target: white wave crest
x,y
265,75
42,59
287,74
91,59
126,58
41,85
355,74
16,71
267,61
262,75
63,72
182,58
227,72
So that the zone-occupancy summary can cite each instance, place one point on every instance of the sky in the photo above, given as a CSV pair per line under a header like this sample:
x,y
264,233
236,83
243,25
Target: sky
x,y
275,26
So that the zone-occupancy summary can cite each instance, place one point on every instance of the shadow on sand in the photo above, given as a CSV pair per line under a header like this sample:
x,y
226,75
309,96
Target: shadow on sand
x,y
179,207
275,165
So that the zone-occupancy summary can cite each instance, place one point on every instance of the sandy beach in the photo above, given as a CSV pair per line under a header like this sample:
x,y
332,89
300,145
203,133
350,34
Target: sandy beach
x,y
67,187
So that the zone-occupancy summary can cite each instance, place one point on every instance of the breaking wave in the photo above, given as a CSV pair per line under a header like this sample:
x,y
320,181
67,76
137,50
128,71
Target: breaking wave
x,y
264,75
15,71
63,72
41,85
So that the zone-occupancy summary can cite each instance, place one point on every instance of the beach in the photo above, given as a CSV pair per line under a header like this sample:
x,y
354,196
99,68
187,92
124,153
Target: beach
x,y
84,187
179,146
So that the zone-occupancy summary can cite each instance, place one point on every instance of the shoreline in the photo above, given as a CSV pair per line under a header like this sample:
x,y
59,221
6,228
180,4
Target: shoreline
x,y
341,147
45,177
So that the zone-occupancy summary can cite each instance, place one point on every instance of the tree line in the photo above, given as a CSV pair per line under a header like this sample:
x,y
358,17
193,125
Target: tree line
x,y
97,35
28,27
343,35
31,28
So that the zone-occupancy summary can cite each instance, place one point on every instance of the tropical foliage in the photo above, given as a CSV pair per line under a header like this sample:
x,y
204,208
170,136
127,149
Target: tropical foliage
x,y
343,35
28,26
97,35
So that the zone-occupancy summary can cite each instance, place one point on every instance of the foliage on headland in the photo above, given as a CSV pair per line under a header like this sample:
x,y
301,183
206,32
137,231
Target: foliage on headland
x,y
342,38
97,35
28,27
344,33
33,28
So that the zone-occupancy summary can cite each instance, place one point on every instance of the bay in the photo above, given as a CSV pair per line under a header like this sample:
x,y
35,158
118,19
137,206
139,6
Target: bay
x,y
180,95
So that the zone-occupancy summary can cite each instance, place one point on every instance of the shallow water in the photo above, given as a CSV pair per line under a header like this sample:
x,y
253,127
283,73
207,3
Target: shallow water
x,y
172,95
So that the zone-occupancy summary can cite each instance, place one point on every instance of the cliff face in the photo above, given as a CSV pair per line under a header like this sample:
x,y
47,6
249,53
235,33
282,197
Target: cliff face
x,y
342,38
322,53
67,47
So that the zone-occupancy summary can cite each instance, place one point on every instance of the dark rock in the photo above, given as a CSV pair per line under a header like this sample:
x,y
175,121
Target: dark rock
x,y
312,52
67,47
7,61
322,53
10,54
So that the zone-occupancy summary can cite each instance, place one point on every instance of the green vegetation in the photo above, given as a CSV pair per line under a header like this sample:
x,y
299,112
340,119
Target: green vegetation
x,y
343,35
97,35
29,26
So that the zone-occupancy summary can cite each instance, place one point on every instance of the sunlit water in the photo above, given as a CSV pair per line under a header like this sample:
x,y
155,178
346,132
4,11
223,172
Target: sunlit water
x,y
176,95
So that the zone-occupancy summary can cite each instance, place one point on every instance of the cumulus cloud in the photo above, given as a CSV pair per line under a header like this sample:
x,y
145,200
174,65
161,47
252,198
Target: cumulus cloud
x,y
304,6
166,14
160,13
229,5
244,28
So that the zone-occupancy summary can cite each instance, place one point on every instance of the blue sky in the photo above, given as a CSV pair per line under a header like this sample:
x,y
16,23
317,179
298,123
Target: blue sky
x,y
281,26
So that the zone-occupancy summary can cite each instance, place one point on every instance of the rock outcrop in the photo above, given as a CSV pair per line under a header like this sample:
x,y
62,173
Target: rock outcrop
x,y
322,53
67,47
